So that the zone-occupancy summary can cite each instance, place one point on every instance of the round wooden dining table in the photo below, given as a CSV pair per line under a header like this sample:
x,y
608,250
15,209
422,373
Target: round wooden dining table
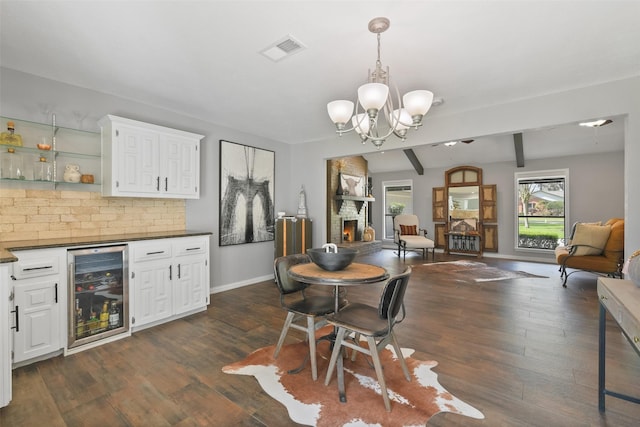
x,y
354,274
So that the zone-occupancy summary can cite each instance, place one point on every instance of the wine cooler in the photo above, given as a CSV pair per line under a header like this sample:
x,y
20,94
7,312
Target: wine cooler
x,y
98,294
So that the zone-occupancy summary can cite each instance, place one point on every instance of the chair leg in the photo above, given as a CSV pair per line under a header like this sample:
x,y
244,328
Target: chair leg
x,y
311,332
398,350
354,353
283,334
337,348
373,349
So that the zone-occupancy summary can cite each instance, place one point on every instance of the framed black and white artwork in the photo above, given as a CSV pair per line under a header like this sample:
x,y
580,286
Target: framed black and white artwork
x,y
246,194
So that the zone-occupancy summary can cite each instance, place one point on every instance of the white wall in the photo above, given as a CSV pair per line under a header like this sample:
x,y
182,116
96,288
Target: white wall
x,y
595,194
304,164
20,95
617,98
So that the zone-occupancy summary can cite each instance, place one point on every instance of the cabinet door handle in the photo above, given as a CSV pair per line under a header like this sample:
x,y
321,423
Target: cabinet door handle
x,y
193,249
44,267
16,311
178,271
166,183
158,184
56,293
155,253
170,272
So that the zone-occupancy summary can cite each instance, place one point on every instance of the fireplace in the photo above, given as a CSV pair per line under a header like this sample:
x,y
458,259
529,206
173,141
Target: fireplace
x,y
350,230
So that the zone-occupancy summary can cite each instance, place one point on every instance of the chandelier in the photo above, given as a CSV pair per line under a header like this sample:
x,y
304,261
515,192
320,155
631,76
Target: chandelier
x,y
375,101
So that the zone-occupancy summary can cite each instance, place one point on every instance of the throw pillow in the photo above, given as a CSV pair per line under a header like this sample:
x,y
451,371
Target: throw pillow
x,y
575,224
589,239
408,230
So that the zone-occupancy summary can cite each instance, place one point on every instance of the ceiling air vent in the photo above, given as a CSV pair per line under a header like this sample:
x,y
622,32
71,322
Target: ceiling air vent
x,y
283,48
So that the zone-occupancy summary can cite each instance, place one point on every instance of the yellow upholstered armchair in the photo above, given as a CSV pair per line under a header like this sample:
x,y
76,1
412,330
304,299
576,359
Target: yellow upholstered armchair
x,y
595,248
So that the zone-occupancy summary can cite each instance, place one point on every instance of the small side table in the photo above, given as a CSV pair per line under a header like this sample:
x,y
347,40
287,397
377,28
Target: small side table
x,y
621,298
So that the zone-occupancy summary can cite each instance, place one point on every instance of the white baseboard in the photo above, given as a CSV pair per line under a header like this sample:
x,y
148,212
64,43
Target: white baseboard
x,y
240,284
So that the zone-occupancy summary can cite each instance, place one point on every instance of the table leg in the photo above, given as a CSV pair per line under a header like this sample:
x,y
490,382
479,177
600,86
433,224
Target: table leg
x,y
601,356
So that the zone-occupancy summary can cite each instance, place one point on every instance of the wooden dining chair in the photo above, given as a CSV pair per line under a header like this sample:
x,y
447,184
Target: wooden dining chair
x,y
299,306
376,325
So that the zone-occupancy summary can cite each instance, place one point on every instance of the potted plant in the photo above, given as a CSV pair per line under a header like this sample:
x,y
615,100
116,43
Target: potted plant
x,y
396,208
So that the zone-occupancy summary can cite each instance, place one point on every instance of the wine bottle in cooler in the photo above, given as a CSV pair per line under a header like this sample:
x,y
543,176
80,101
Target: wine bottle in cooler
x,y
114,316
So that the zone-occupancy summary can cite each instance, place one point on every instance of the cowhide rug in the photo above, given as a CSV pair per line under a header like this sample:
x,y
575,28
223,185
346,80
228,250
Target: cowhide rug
x,y
312,403
475,272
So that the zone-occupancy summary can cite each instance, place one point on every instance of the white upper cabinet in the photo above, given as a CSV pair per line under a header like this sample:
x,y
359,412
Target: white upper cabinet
x,y
145,160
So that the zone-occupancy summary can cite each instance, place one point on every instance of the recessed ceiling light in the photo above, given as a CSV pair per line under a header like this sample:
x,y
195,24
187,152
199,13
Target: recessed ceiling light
x,y
450,143
596,123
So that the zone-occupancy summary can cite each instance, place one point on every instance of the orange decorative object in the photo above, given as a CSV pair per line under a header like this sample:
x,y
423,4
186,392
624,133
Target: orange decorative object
x,y
86,179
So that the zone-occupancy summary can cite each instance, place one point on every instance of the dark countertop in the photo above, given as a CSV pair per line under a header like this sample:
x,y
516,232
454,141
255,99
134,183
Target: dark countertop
x,y
6,248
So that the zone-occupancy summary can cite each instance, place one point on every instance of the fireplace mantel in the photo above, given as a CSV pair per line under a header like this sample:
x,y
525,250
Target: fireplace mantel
x,y
358,200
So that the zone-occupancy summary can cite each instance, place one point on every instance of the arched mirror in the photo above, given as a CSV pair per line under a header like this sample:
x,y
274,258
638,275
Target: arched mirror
x,y
464,202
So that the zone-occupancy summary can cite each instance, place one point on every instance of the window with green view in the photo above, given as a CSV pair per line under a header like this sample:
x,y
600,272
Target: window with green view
x,y
541,212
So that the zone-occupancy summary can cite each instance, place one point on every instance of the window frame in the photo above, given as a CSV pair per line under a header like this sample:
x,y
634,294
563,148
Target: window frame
x,y
541,175
394,183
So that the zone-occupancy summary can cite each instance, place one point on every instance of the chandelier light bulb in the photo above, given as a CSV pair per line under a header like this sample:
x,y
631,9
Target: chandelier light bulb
x,y
417,103
361,123
372,96
402,117
340,112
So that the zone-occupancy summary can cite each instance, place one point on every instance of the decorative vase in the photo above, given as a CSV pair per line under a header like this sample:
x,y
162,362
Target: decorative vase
x,y
633,268
339,189
369,234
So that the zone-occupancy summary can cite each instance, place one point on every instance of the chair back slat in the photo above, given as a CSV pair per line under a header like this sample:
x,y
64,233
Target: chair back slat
x,y
392,297
287,285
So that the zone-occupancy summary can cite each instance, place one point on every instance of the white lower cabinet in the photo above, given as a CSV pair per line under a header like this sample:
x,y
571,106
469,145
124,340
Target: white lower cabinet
x,y
5,335
191,289
38,303
169,278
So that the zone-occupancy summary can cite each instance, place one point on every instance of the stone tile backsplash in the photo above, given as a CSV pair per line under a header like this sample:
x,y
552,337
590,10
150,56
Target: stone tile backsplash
x,y
45,214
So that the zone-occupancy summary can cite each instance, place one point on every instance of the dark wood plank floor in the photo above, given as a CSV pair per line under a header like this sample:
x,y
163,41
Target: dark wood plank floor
x,y
522,351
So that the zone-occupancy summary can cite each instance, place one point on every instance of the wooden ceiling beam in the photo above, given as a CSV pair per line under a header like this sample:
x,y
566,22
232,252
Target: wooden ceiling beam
x,y
414,160
518,145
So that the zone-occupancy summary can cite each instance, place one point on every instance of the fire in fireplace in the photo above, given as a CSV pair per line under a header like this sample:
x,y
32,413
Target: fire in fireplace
x,y
349,230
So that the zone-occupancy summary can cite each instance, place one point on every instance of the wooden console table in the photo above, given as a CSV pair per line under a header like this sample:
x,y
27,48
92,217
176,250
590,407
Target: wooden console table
x,y
621,298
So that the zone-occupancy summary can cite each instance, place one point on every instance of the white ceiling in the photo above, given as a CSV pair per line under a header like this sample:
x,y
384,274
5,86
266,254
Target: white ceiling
x,y
202,59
